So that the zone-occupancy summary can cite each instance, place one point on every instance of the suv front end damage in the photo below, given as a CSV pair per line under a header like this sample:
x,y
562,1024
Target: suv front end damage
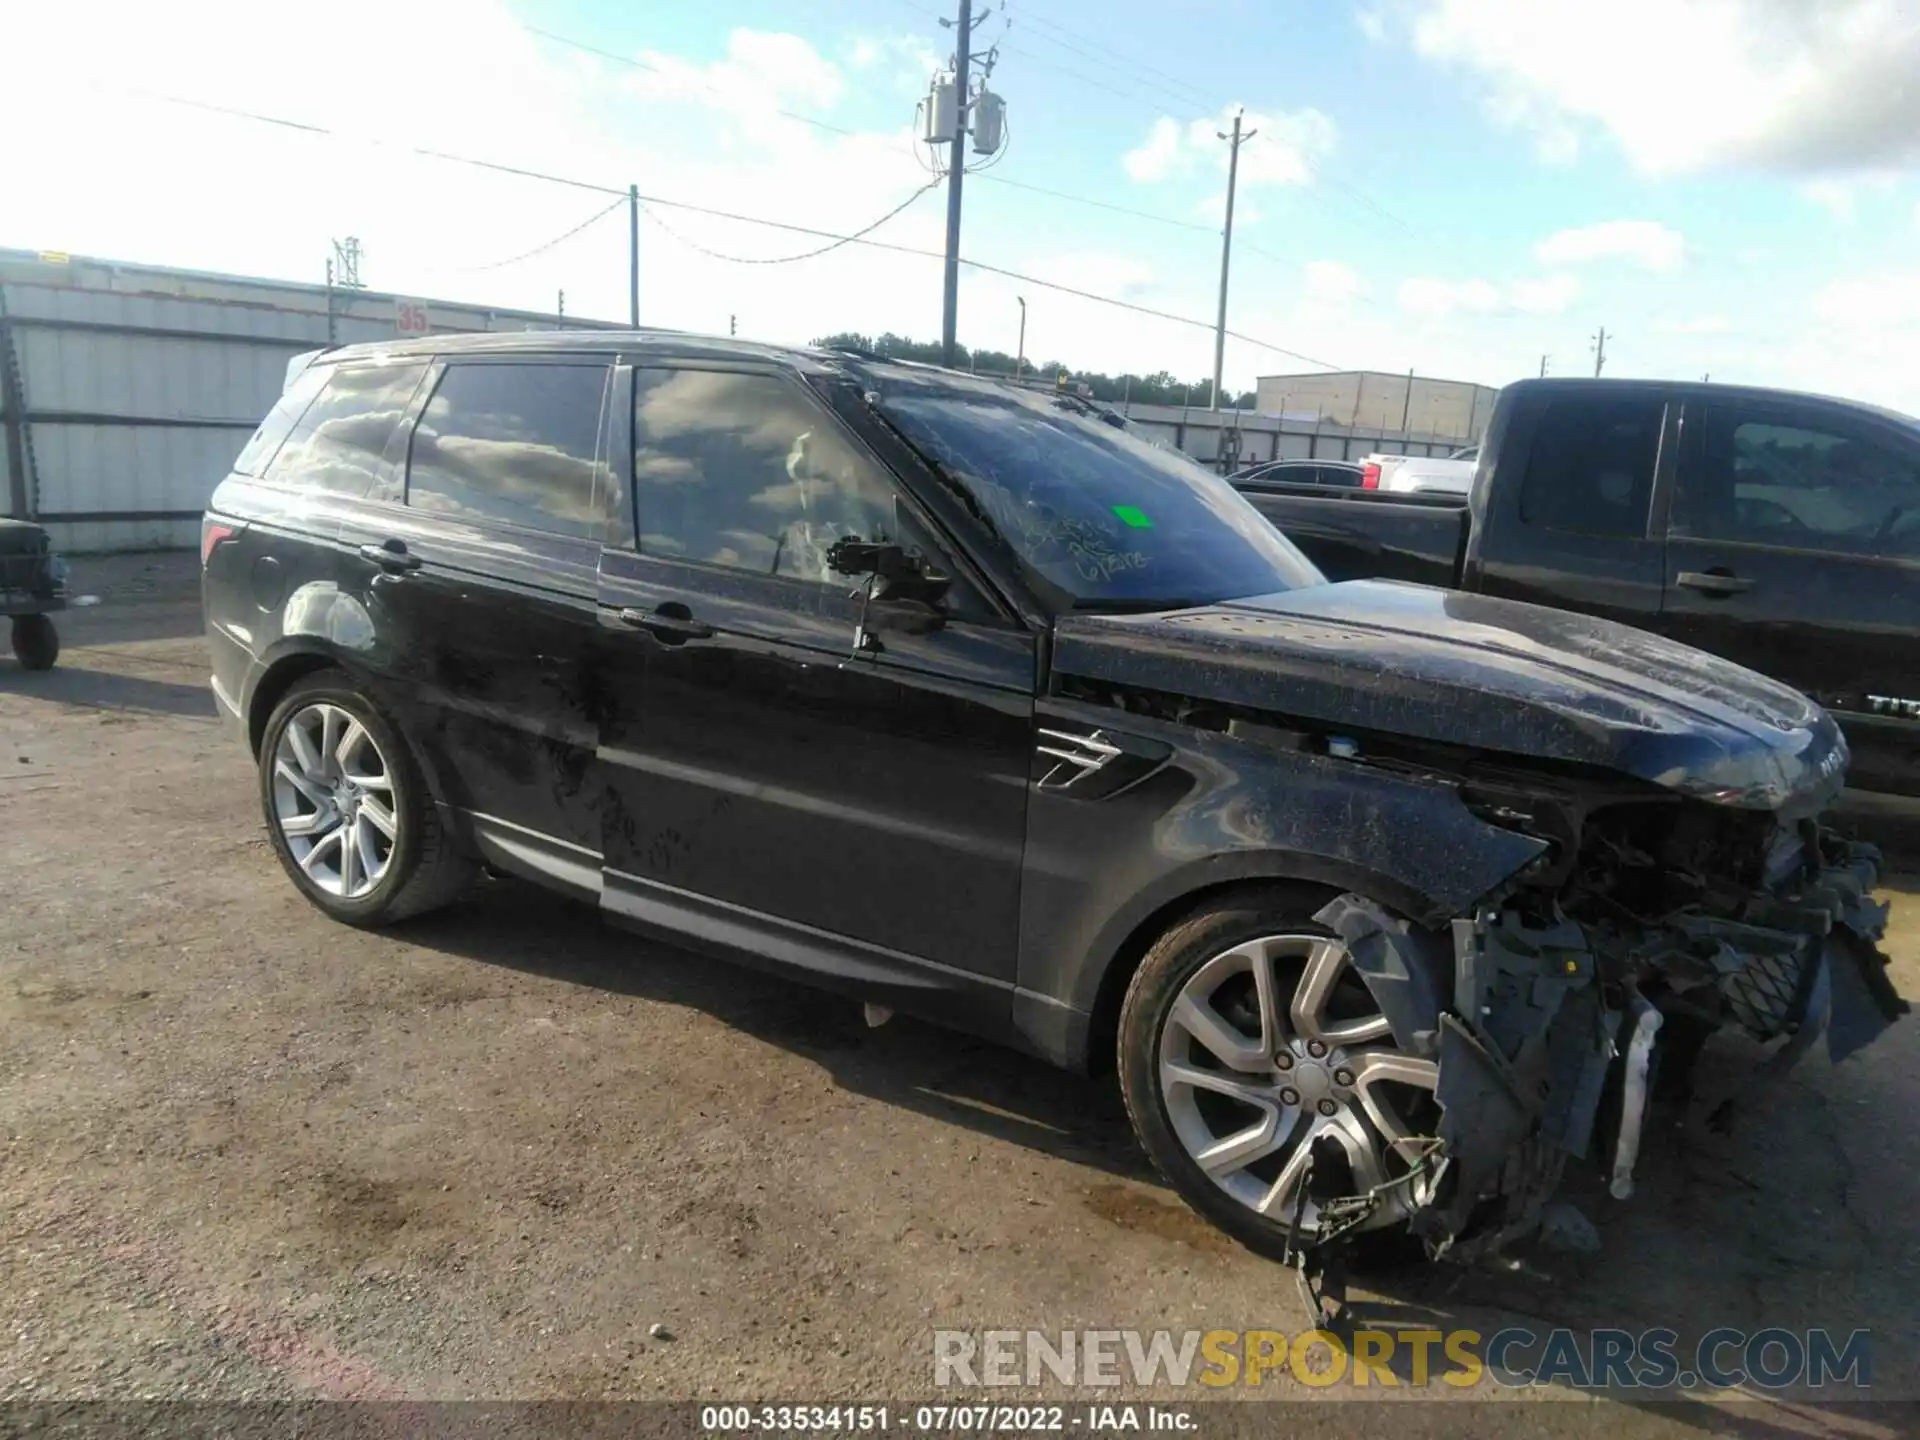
x,y
1598,972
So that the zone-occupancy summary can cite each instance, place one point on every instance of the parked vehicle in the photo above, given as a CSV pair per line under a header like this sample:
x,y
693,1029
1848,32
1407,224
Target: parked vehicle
x,y
1779,530
962,699
33,585
1344,474
1420,474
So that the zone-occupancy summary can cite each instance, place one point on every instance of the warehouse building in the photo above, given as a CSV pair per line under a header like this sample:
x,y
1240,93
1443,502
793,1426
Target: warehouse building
x,y
1368,399
127,390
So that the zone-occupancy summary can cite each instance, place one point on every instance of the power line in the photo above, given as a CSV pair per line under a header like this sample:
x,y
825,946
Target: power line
x,y
855,238
692,208
1098,204
561,239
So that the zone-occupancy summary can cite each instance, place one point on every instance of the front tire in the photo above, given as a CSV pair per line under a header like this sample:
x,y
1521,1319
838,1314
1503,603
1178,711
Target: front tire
x,y
36,644
348,812
1252,1055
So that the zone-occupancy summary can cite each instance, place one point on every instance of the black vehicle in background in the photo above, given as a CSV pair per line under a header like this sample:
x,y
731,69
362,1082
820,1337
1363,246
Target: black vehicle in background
x,y
1779,530
32,588
1340,474
962,699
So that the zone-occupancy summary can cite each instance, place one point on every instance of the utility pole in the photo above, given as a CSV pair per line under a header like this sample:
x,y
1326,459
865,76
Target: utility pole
x,y
1543,366
1406,410
561,308
1020,358
333,328
956,172
1599,352
633,256
1237,139
733,324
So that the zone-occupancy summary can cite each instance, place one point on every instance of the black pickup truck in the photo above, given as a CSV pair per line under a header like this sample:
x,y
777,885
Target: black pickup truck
x,y
1777,529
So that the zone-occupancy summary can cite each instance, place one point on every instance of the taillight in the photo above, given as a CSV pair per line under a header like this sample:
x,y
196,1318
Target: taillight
x,y
1370,477
212,532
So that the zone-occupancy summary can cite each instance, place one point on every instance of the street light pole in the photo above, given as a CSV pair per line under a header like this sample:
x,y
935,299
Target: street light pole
x,y
1019,360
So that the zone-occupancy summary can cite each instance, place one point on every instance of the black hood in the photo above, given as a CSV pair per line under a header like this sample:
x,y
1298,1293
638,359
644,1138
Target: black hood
x,y
1496,675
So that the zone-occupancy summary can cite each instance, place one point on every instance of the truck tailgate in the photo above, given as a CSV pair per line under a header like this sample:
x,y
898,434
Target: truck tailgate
x,y
1366,535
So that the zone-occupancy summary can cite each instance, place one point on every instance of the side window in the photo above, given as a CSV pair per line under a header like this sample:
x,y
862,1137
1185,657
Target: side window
x,y
513,443
286,413
337,444
1764,480
1591,468
742,470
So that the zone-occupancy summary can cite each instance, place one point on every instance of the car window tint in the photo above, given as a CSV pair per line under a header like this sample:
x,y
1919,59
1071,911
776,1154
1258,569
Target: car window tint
x,y
742,470
1763,480
286,413
513,443
1591,468
338,443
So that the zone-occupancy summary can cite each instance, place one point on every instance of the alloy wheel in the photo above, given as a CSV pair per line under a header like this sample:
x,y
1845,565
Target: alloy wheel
x,y
1274,1058
333,800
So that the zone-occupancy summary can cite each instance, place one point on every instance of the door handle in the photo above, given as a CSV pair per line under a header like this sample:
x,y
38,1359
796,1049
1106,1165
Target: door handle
x,y
1713,582
391,556
672,623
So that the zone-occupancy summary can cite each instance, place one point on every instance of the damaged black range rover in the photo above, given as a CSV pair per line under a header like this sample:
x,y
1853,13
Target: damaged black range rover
x,y
967,701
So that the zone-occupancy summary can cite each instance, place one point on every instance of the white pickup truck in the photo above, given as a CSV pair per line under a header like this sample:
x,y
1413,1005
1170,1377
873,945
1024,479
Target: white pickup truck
x,y
1412,474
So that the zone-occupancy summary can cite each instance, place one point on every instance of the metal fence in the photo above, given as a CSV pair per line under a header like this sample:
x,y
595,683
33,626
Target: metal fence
x,y
126,391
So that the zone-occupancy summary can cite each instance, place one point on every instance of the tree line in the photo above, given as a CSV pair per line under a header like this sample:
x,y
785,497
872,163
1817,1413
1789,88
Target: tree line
x,y
1159,388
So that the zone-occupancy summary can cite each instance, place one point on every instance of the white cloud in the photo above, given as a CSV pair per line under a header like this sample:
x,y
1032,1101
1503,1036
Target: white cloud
x,y
1686,85
1448,297
1282,153
1701,325
1331,283
1372,24
1645,242
1118,277
1547,296
1438,299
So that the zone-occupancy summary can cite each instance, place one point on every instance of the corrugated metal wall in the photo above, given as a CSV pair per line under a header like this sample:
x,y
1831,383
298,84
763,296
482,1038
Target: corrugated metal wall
x,y
132,388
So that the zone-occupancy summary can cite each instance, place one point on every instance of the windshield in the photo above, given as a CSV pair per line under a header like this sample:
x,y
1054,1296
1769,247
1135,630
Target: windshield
x,y
1100,517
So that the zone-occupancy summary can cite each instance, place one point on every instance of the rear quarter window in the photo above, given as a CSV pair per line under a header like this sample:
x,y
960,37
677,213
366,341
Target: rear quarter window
x,y
340,442
286,413
1590,468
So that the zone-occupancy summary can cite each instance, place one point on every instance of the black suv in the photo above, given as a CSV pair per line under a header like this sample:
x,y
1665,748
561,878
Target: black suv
x,y
966,700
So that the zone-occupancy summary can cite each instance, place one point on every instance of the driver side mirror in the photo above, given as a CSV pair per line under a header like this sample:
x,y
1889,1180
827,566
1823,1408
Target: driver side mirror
x,y
907,591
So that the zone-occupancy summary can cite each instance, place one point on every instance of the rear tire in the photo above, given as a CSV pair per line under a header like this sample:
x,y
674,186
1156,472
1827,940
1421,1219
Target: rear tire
x,y
1247,1043
36,644
348,811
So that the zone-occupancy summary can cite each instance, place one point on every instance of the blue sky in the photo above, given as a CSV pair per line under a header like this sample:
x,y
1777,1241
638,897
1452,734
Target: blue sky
x,y
1458,186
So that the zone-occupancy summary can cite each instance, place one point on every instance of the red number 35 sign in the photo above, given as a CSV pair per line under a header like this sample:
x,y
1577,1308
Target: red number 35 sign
x,y
410,317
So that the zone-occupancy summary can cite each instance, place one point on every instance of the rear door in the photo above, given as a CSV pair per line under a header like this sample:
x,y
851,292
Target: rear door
x,y
859,811
1794,548
1572,528
481,581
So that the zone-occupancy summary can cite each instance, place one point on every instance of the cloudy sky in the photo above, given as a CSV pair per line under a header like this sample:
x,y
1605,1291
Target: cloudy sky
x,y
1459,186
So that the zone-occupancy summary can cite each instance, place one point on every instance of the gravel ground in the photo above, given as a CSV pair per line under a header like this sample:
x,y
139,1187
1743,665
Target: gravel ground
x,y
504,1152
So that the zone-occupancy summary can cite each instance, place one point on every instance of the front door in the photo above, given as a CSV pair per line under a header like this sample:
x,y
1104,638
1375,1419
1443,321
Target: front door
x,y
1794,549
857,812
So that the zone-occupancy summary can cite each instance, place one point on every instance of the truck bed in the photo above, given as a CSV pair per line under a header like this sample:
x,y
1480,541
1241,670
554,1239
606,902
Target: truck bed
x,y
1370,534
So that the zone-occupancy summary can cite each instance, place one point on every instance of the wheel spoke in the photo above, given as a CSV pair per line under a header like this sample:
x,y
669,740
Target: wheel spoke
x,y
1247,1092
310,862
1326,962
308,827
316,796
1376,1067
329,730
1222,1041
377,815
1277,1204
301,743
351,734
369,848
1239,1150
349,854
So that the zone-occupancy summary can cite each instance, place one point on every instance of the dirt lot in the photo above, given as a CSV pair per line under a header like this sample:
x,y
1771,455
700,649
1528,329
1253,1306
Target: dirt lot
x,y
250,1153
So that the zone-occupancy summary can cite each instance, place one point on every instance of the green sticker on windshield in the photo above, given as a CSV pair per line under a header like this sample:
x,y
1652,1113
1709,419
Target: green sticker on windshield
x,y
1134,516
